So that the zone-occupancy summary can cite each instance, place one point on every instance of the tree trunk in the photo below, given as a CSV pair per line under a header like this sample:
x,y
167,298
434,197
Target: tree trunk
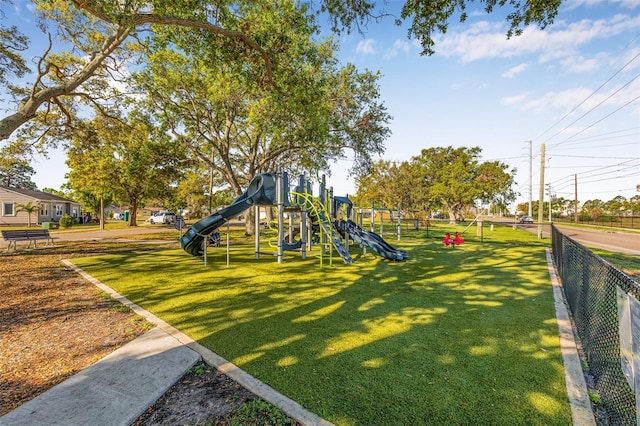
x,y
102,213
452,217
250,224
133,211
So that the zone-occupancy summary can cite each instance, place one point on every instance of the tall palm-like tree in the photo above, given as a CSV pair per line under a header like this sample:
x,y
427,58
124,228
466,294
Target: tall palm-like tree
x,y
29,207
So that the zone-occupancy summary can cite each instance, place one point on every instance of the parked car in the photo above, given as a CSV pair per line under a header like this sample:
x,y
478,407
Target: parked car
x,y
438,216
526,219
162,217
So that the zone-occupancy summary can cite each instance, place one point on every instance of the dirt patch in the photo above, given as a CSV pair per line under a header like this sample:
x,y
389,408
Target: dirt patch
x,y
201,396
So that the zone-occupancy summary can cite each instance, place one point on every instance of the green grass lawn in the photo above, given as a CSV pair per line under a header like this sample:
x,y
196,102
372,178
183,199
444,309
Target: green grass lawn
x,y
451,336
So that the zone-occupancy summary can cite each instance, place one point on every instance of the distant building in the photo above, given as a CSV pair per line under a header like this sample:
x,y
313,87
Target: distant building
x,y
52,207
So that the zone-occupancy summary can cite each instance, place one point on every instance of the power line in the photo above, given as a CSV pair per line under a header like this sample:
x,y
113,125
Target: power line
x,y
570,167
612,171
585,100
590,156
590,173
602,119
607,179
601,146
605,136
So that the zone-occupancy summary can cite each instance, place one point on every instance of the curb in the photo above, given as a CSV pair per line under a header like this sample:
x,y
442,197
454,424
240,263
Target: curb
x,y
581,410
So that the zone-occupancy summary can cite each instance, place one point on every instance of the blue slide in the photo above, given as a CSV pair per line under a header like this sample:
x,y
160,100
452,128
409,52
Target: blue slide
x,y
371,240
261,191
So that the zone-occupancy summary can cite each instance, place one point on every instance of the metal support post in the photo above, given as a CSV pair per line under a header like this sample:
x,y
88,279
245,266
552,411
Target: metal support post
x,y
280,202
257,231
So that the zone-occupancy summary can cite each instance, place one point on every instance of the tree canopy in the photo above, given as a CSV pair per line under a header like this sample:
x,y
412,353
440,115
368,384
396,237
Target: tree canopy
x,y
129,161
429,18
450,178
312,113
12,43
279,99
15,168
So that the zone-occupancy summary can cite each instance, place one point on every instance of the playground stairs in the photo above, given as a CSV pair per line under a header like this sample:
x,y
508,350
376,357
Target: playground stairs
x,y
336,240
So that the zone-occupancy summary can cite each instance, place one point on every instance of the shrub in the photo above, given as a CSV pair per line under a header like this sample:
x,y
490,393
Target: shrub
x,y
66,221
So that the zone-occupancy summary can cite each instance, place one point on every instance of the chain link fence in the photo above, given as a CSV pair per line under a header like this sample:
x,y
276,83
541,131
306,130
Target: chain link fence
x,y
606,221
590,287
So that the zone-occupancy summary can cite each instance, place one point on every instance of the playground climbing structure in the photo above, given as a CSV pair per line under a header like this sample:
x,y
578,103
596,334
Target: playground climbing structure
x,y
272,189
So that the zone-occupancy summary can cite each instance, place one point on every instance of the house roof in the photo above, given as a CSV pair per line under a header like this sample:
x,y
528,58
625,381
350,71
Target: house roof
x,y
37,195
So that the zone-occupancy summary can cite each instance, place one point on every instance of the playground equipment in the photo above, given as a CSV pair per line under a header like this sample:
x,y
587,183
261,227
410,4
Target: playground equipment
x,y
272,189
372,240
261,191
453,241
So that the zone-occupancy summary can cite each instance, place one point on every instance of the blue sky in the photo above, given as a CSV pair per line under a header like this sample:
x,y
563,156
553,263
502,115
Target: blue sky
x,y
574,86
480,89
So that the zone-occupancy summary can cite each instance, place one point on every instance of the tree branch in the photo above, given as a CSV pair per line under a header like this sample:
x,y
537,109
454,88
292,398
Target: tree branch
x,y
28,107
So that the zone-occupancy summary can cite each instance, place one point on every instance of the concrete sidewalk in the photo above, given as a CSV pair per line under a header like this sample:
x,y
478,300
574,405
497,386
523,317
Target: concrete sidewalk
x,y
114,391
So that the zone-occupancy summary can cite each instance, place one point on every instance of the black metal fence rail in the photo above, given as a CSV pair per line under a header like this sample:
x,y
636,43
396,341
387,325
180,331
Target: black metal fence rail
x,y
606,221
590,286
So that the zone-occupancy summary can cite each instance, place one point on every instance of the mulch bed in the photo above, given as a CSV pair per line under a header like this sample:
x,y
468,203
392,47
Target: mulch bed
x,y
53,323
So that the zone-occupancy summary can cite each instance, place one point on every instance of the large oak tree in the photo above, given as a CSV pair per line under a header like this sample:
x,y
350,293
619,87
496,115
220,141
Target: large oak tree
x,y
451,178
15,169
217,105
457,178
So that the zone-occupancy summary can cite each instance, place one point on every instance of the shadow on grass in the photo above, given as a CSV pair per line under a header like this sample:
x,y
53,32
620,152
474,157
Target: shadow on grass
x,y
463,336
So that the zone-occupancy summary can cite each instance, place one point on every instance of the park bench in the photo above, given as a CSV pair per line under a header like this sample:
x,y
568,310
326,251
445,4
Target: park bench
x,y
29,235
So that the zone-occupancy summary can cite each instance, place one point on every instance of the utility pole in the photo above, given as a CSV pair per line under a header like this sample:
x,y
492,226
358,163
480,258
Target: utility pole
x,y
541,193
530,177
575,198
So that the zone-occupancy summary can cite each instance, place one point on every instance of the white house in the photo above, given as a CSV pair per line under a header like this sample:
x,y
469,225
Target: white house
x,y
52,207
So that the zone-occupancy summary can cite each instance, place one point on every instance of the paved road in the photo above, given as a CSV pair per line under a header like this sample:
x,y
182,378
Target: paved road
x,y
97,234
614,241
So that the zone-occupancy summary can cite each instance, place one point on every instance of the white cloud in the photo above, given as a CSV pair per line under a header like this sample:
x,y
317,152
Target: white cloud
x,y
366,47
601,103
564,100
516,99
574,4
580,64
630,59
513,71
485,40
399,46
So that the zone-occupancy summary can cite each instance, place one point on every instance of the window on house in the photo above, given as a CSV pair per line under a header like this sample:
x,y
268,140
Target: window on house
x,y
58,209
7,209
